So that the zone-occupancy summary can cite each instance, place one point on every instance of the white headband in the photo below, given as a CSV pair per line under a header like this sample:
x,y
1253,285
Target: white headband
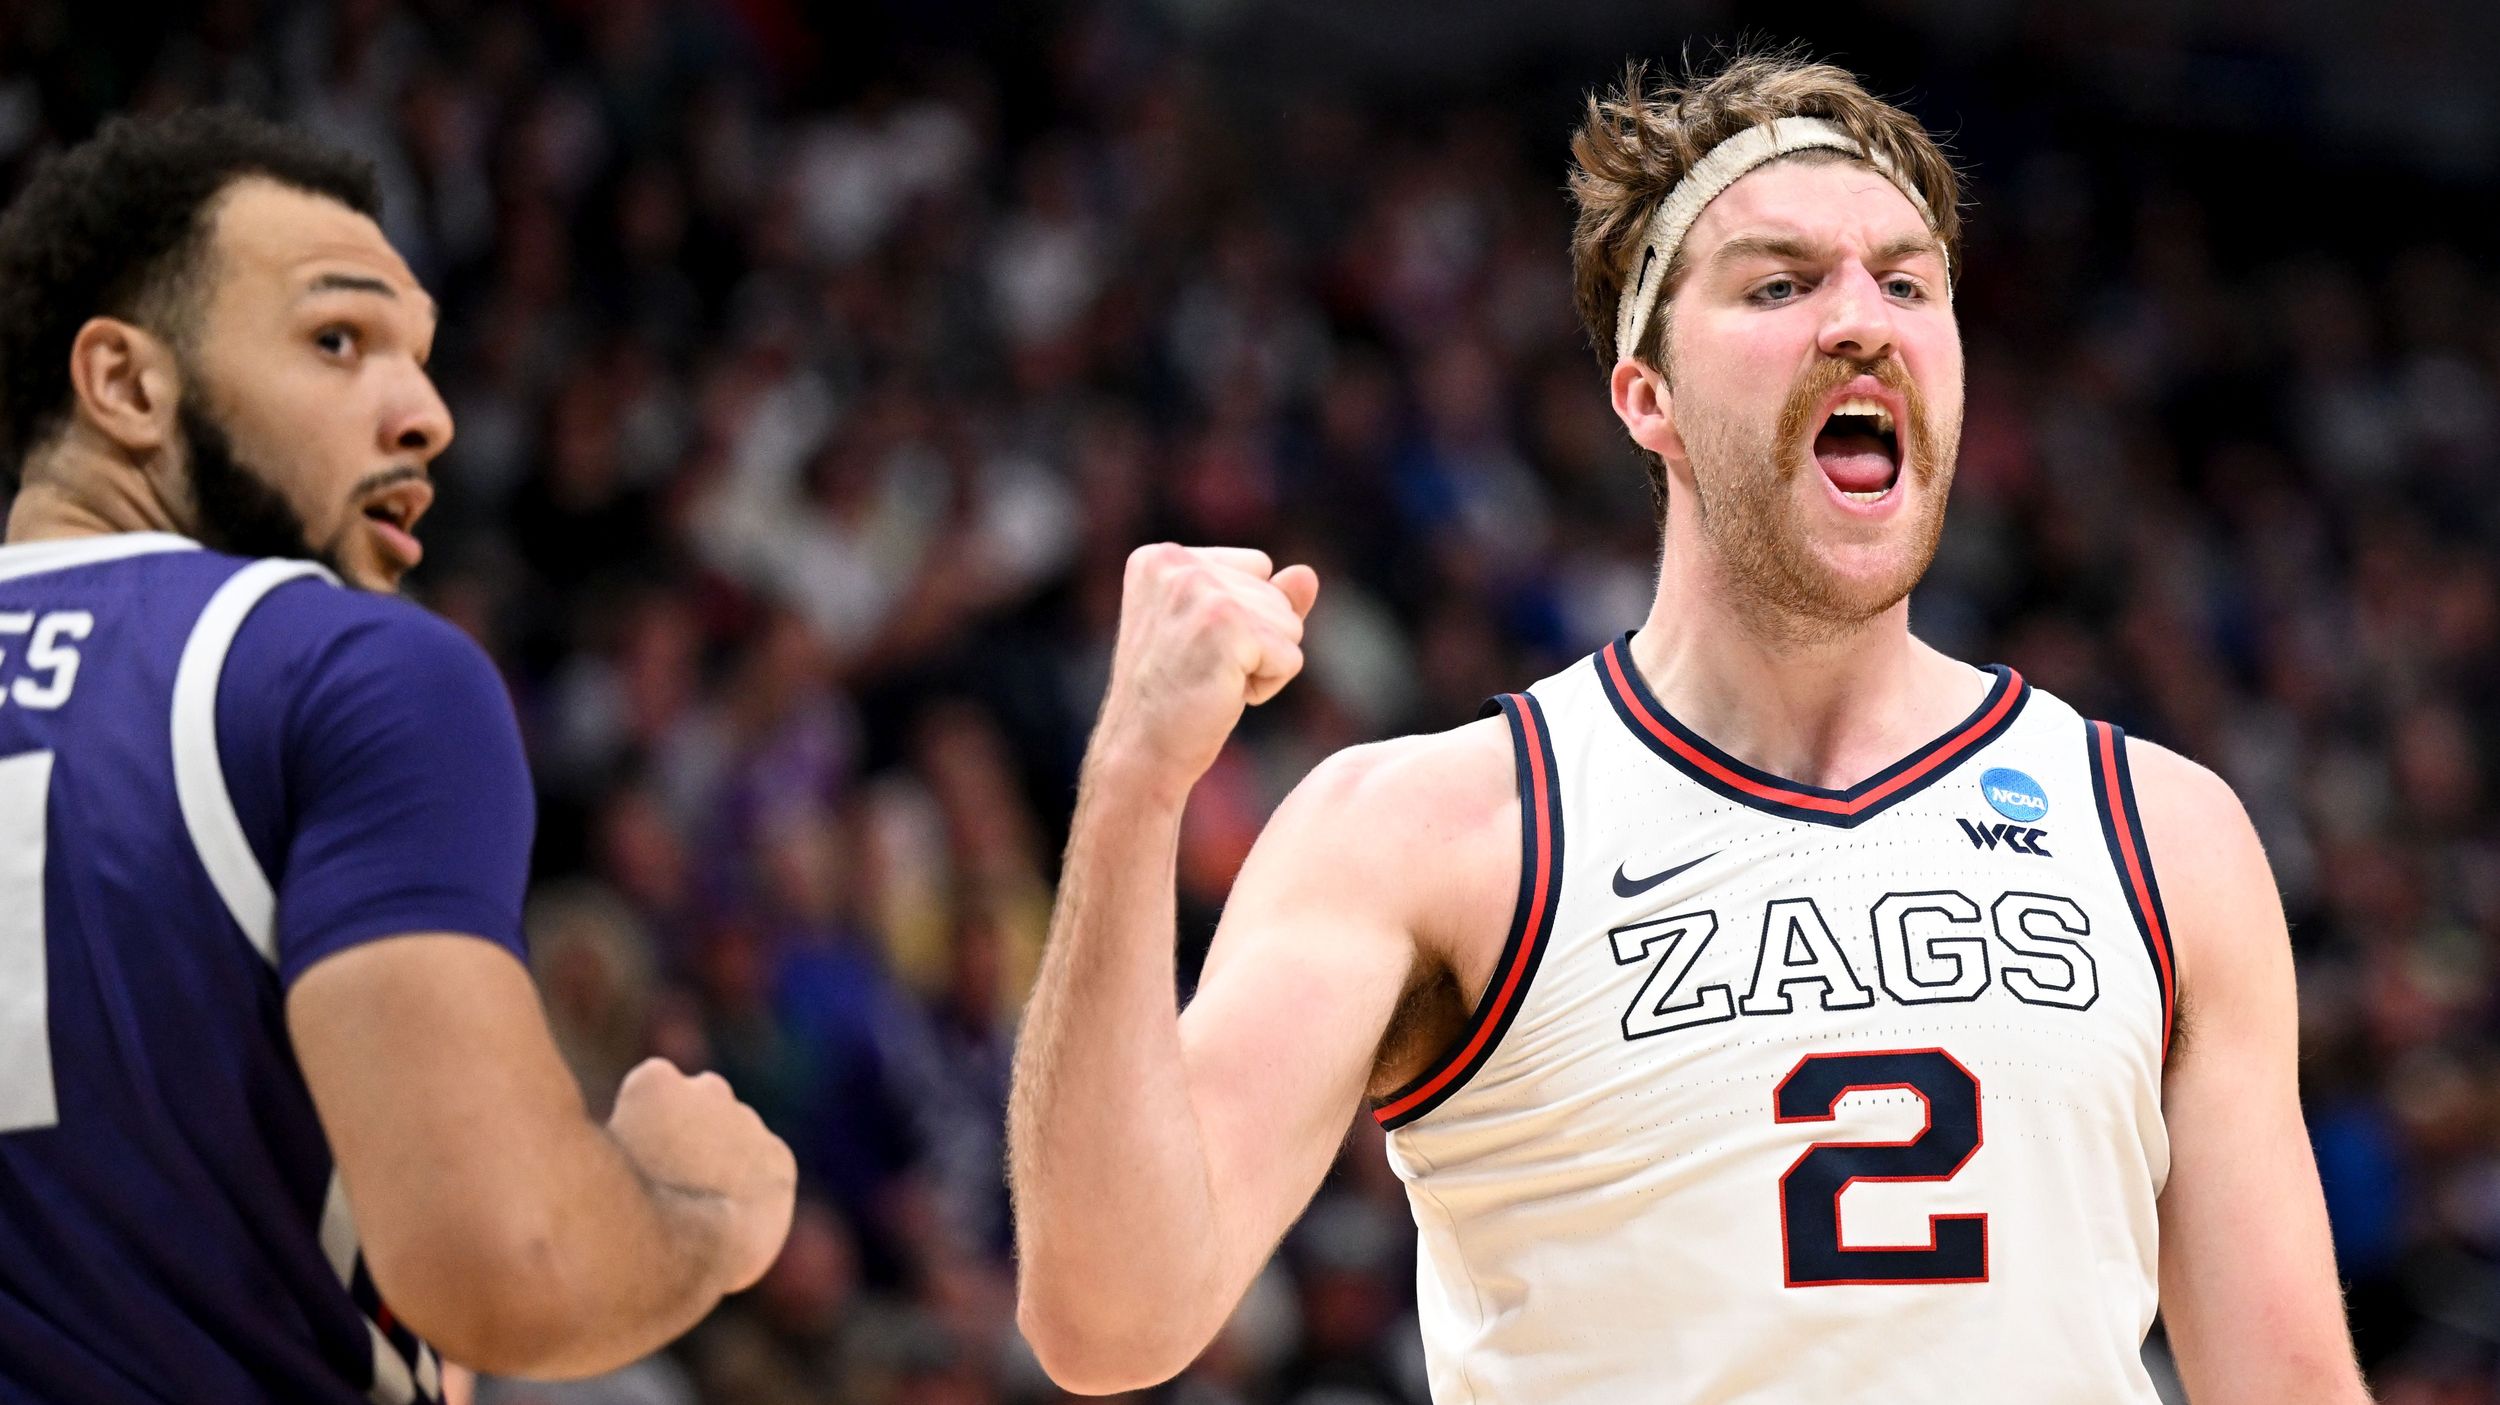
x,y
1726,164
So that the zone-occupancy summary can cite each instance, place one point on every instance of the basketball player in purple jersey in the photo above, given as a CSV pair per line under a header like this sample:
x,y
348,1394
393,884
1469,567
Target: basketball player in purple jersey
x,y
1765,1008
280,1115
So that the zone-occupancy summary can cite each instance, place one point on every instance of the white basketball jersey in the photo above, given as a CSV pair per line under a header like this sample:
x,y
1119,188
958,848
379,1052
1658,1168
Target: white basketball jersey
x,y
1788,1094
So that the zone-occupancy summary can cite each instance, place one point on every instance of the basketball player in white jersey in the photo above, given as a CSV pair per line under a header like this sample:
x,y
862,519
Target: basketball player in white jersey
x,y
1765,1008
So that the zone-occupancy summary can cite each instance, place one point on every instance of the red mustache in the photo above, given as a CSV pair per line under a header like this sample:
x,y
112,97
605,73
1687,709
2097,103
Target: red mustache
x,y
1800,417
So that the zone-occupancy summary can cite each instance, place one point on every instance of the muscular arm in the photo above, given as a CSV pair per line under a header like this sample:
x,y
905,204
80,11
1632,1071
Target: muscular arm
x,y
1157,1157
2248,1280
506,1227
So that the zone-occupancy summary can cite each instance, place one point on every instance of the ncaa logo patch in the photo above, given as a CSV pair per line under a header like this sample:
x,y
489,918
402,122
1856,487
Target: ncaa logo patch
x,y
2014,795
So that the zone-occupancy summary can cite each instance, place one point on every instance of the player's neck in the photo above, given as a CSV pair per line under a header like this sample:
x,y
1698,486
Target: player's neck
x,y
73,491
1821,707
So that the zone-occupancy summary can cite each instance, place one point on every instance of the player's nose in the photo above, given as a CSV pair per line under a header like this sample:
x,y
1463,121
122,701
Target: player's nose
x,y
415,420
1857,322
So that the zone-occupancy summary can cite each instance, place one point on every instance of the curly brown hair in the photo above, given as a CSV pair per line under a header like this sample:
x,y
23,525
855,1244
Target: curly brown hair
x,y
1636,141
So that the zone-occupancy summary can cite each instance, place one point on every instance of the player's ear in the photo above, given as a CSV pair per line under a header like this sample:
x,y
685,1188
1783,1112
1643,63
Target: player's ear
x,y
126,383
1646,405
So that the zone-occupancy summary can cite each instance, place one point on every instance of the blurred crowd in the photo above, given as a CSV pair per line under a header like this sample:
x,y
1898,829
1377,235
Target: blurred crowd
x,y
815,370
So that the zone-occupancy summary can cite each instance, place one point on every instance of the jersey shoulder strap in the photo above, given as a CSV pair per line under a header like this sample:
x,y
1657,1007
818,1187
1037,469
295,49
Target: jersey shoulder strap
x,y
199,774
1531,923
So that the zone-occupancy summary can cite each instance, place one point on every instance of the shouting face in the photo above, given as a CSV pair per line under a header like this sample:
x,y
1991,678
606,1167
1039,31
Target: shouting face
x,y
1813,396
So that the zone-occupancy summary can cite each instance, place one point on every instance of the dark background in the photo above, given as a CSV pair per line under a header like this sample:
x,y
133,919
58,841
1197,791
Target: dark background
x,y
815,369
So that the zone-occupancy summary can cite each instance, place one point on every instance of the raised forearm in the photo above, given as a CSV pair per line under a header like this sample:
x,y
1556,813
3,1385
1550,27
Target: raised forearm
x,y
1123,1271
1115,1217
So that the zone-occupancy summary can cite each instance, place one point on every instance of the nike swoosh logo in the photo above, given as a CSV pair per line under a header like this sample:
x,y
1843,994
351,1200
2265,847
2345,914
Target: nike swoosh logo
x,y
1627,886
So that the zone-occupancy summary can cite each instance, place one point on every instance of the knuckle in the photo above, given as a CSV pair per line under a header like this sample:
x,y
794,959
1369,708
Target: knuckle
x,y
1149,561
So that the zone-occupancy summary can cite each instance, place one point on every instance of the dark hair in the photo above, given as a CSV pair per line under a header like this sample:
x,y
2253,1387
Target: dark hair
x,y
117,226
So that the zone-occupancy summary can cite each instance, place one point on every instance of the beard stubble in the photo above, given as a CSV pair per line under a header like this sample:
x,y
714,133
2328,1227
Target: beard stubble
x,y
1745,482
240,512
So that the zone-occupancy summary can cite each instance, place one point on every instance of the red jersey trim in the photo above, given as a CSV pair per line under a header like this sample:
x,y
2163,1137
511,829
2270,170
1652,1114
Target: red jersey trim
x,y
1532,920
1689,752
2122,826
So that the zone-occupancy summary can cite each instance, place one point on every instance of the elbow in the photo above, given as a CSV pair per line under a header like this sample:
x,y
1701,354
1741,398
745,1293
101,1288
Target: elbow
x,y
1086,1350
493,1300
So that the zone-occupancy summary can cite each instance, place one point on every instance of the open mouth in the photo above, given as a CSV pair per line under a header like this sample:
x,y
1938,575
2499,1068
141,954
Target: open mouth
x,y
395,511
400,503
1859,449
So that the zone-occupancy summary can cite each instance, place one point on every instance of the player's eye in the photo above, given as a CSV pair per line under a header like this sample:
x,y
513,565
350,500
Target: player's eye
x,y
1904,287
1779,290
340,342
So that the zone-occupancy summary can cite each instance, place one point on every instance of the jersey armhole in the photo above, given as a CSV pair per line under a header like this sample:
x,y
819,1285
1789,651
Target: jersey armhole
x,y
2122,827
1531,923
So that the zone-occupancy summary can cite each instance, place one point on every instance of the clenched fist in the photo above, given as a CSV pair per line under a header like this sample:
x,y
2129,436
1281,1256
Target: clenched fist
x,y
1204,632
693,1135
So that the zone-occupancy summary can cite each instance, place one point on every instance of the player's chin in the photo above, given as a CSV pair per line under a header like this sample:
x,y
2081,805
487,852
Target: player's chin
x,y
1862,578
381,579
367,562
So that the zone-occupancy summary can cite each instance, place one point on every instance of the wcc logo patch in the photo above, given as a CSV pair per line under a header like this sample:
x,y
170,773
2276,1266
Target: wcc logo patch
x,y
2019,798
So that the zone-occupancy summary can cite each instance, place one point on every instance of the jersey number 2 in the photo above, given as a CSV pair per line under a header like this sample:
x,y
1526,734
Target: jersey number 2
x,y
1957,1245
26,1095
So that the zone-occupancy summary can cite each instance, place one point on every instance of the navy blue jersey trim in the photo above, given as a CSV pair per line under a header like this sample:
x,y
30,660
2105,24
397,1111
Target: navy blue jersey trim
x,y
1531,926
2122,828
1689,752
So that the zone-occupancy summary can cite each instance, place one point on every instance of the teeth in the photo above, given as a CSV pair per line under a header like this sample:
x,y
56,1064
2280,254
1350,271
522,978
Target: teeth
x,y
1875,496
1872,409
